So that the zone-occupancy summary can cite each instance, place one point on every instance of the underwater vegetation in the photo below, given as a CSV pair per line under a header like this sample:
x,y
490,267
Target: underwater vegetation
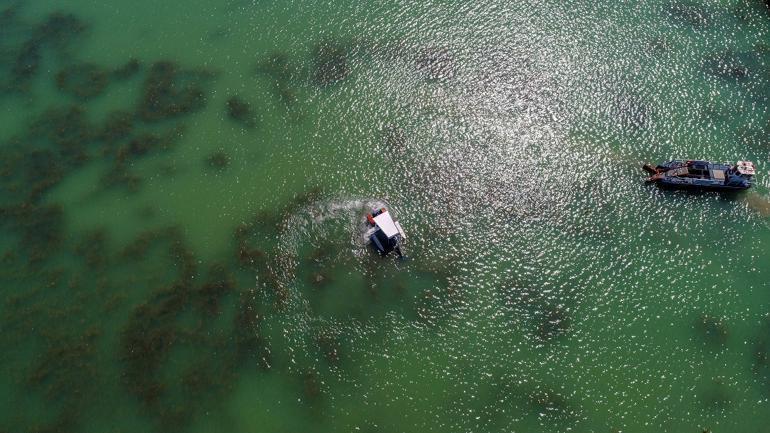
x,y
278,67
716,395
330,59
117,126
632,111
761,356
436,63
545,319
160,329
218,161
738,66
66,373
127,70
241,112
257,243
58,29
93,248
170,91
394,138
250,345
22,56
689,13
39,228
82,80
712,330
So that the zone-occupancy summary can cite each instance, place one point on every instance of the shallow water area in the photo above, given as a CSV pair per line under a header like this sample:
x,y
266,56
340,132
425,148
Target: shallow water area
x,y
183,187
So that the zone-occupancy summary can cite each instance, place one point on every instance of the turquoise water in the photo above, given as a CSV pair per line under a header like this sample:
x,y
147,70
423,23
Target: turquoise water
x,y
182,187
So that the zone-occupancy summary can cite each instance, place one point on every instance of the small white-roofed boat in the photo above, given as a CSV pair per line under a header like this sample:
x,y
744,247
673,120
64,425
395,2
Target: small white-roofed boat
x,y
384,233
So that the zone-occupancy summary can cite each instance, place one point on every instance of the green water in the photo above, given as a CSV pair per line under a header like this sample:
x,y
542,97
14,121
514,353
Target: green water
x,y
182,187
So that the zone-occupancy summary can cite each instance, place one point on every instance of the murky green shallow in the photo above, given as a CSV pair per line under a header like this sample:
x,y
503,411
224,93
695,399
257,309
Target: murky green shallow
x,y
177,260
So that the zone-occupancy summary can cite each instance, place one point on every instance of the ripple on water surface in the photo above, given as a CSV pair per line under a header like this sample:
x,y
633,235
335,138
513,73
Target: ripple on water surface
x,y
181,217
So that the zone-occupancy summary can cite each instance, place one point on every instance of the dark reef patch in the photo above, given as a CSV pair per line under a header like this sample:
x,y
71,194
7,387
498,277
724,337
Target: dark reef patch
x,y
59,28
257,244
760,356
712,330
170,92
116,127
546,319
240,111
250,344
436,63
25,66
738,66
394,138
219,282
330,59
41,229
23,46
716,395
218,161
92,247
212,318
282,73
82,80
127,70
66,367
688,13
120,173
632,111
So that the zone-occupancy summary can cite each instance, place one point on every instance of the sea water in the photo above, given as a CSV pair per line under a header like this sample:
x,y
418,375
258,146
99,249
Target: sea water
x,y
183,187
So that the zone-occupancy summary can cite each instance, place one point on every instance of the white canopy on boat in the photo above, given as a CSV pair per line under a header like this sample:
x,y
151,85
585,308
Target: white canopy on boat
x,y
386,224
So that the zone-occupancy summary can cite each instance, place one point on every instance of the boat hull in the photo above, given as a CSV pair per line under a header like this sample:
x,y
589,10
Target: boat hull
x,y
699,188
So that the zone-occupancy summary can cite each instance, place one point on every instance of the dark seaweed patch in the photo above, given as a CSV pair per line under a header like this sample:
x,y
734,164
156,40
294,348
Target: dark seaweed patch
x,y
22,47
690,14
159,327
241,112
632,112
59,28
250,344
436,63
92,247
552,406
330,346
712,330
116,127
55,143
82,80
146,143
716,396
26,65
67,130
127,70
395,138
170,92
761,356
66,367
282,73
218,161
41,228
330,59
152,329
554,321
737,66
219,283
547,319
